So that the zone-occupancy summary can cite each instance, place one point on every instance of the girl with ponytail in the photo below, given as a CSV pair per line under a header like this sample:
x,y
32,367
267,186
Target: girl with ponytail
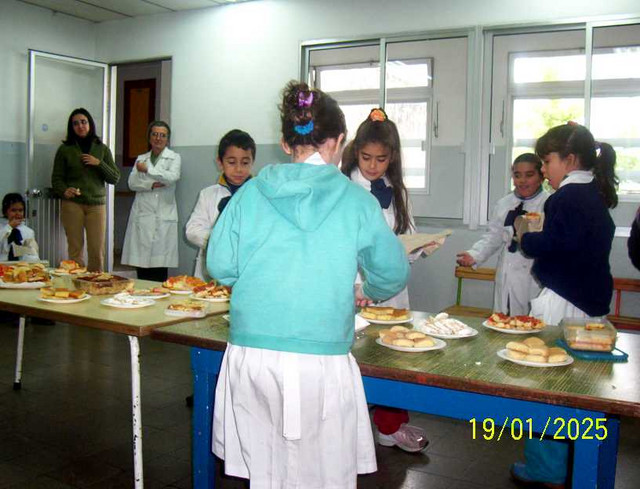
x,y
571,256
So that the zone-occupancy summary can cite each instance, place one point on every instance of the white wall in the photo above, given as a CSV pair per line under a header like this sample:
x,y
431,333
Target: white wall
x,y
231,62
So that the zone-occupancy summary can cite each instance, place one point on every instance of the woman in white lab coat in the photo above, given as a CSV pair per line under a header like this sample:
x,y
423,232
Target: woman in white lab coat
x,y
515,286
151,240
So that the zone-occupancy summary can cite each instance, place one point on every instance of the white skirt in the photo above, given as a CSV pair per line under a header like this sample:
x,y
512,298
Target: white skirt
x,y
552,308
291,420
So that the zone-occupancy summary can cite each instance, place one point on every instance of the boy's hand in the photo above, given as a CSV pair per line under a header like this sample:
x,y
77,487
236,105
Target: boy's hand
x,y
465,259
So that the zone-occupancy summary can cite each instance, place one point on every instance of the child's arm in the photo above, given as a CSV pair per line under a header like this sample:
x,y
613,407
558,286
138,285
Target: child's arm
x,y
222,250
199,226
495,237
168,175
382,259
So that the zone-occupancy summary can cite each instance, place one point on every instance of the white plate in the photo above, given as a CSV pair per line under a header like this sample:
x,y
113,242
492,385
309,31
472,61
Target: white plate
x,y
393,321
503,354
361,323
181,292
22,285
439,345
472,333
186,314
64,301
226,317
142,303
151,297
209,299
512,331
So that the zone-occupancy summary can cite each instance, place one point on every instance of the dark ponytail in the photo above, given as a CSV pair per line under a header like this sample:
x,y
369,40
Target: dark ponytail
x,y
572,138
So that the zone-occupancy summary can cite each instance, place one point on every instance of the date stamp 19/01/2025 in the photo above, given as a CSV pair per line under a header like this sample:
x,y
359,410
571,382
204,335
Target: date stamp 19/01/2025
x,y
558,428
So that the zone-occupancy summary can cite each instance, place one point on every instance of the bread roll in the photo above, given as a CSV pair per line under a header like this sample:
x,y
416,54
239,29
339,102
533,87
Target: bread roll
x,y
384,332
426,342
543,351
389,339
516,355
400,329
536,358
557,358
533,341
403,342
415,335
556,350
517,346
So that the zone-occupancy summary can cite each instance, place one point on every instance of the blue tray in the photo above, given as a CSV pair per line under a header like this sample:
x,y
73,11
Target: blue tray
x,y
595,356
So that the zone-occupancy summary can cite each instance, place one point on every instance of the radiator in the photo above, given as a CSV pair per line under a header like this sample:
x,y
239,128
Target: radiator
x,y
44,219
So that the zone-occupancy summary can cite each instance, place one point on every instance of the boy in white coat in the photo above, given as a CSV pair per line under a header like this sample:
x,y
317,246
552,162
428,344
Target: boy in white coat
x,y
15,233
515,286
236,154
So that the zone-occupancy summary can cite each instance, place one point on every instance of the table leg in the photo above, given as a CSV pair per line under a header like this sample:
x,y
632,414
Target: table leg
x,y
205,365
134,348
585,463
17,381
609,455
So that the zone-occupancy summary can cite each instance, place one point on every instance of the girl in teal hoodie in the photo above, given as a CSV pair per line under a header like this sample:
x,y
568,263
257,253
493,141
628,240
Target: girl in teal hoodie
x,y
290,409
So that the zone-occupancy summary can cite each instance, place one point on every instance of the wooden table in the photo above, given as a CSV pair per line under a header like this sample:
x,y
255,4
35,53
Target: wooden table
x,y
134,323
466,380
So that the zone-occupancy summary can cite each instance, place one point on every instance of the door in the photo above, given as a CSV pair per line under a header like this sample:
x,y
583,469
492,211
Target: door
x,y
58,85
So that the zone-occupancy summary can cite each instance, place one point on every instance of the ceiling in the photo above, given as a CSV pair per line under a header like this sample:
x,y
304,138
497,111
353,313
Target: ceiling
x,y
104,10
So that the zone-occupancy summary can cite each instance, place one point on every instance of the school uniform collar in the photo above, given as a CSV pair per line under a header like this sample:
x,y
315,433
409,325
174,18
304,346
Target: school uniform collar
x,y
357,177
230,186
577,176
315,159
531,197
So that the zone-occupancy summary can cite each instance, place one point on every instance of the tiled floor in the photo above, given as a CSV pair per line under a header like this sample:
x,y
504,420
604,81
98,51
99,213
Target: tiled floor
x,y
70,425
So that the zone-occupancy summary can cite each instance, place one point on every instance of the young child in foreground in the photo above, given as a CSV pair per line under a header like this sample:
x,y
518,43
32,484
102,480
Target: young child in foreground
x,y
14,231
290,409
515,286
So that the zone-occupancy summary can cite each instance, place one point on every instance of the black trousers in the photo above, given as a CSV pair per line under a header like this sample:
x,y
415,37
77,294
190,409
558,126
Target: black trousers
x,y
158,274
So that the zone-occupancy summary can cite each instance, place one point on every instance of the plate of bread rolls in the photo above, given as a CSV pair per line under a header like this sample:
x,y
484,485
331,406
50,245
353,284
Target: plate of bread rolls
x,y
533,352
408,340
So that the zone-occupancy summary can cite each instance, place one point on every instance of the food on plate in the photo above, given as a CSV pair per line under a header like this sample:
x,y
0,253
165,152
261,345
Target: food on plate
x,y
155,291
70,267
442,324
518,323
384,313
589,334
187,306
126,299
594,326
23,272
61,293
183,283
401,336
532,216
100,283
212,290
535,351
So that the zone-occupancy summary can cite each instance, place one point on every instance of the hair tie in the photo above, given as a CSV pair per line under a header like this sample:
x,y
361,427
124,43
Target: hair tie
x,y
304,129
572,123
378,115
305,100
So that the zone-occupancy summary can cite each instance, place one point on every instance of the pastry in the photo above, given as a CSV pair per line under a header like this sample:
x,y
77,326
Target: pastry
x,y
399,328
425,342
557,355
517,346
536,358
403,342
516,355
533,341
543,351
415,335
100,283
384,313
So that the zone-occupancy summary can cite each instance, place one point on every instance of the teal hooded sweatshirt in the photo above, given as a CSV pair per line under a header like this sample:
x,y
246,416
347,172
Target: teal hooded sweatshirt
x,y
290,242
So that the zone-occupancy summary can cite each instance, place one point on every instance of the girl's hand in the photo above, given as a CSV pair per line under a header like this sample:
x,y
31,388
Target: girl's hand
x,y
465,259
158,185
142,167
90,160
71,192
14,223
361,299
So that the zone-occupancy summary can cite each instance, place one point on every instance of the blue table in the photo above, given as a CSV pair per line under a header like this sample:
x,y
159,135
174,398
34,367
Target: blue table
x,y
465,381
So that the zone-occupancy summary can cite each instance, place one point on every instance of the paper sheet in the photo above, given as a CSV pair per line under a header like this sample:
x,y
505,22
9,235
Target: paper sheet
x,y
424,243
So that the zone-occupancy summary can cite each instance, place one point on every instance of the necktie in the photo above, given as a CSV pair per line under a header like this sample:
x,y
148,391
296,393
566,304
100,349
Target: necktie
x,y
381,192
509,220
15,236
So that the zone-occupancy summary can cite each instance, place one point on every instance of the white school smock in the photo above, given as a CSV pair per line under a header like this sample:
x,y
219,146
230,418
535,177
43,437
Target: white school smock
x,y
201,222
401,300
292,420
515,286
151,239
549,306
27,234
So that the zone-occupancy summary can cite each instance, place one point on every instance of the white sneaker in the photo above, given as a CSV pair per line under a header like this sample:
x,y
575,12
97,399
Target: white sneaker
x,y
409,438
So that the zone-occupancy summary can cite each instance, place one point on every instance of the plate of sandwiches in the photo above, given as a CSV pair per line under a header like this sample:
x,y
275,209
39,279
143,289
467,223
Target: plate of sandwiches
x,y
385,315
124,300
182,284
62,295
407,340
514,324
153,293
24,275
533,352
211,292
68,267
187,308
444,327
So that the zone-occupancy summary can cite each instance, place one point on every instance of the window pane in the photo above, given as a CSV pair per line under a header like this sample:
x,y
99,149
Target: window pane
x,y
622,62
615,121
533,117
336,80
355,114
535,69
409,73
411,119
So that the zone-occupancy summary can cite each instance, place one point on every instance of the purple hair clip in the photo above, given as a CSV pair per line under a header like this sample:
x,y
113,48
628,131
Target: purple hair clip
x,y
304,129
305,99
